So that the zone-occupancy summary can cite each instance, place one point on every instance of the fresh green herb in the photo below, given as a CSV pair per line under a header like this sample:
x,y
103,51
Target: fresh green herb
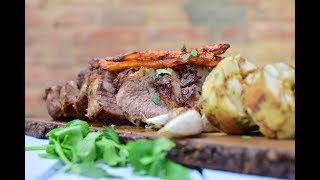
x,y
150,79
144,71
82,151
150,124
162,71
77,93
89,91
205,100
194,52
216,76
246,137
186,56
155,99
184,47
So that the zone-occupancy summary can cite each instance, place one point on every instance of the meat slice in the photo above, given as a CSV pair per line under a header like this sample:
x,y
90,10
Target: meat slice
x,y
52,98
102,106
67,98
192,78
81,102
82,76
138,97
169,88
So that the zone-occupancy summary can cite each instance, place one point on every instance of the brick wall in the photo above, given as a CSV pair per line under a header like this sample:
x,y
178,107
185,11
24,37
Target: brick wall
x,y
63,35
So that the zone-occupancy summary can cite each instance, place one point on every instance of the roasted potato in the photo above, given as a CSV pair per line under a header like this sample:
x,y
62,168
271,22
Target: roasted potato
x,y
270,100
222,95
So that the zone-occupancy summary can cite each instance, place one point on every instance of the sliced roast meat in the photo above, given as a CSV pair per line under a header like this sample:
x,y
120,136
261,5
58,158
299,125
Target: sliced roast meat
x,y
102,106
67,98
139,98
52,99
82,76
81,102
169,88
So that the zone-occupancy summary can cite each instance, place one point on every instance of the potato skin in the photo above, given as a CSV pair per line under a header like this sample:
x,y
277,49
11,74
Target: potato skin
x,y
222,95
270,101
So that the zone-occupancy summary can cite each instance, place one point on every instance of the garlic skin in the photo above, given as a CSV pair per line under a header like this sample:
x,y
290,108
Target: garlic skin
x,y
186,124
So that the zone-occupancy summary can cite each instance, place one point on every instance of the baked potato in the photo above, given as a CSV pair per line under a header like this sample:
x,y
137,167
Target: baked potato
x,y
222,95
270,100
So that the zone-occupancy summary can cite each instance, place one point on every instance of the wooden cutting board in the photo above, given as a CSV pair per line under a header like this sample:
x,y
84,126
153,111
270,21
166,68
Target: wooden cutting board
x,y
258,155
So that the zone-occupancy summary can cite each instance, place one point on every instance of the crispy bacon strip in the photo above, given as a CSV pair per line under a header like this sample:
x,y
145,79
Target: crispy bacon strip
x,y
207,56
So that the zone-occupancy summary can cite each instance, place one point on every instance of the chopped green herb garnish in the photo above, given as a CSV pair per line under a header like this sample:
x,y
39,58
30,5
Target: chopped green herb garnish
x,y
205,100
184,47
82,151
150,79
155,99
150,124
246,137
216,76
77,93
162,71
187,55
89,91
194,52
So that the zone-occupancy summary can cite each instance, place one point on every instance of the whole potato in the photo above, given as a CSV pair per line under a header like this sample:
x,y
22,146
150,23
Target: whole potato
x,y
270,100
222,95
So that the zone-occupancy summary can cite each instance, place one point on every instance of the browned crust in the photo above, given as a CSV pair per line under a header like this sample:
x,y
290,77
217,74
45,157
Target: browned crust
x,y
207,56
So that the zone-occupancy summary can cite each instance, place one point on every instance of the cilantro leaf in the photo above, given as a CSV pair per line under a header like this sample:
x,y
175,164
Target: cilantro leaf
x,y
89,91
246,137
194,52
155,99
184,47
162,71
86,149
90,169
111,134
77,93
176,171
185,57
77,122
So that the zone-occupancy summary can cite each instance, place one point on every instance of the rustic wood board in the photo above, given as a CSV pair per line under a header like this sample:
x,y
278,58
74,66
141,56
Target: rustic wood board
x,y
259,155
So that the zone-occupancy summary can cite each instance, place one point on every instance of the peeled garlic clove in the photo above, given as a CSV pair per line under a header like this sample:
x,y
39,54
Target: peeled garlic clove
x,y
186,124
158,121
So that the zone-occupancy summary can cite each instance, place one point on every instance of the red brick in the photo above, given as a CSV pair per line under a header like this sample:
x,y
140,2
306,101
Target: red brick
x,y
123,16
234,32
177,34
74,16
149,2
108,36
34,4
252,2
48,76
32,18
273,10
271,31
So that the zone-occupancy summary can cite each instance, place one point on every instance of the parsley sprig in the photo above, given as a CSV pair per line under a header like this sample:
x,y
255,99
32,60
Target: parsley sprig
x,y
80,150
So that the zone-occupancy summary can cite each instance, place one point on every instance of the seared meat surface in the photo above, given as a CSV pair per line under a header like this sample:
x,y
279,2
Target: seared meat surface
x,y
52,99
102,104
126,88
135,96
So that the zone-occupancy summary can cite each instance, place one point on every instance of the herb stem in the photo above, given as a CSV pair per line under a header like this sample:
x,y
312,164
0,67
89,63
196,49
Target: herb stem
x,y
63,157
34,148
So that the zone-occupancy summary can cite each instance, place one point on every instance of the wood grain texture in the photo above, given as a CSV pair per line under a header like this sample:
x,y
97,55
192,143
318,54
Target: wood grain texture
x,y
259,155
